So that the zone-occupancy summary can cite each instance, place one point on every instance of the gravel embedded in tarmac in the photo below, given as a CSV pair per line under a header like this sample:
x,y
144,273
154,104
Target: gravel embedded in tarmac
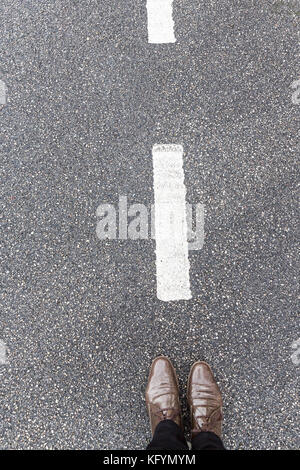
x,y
87,99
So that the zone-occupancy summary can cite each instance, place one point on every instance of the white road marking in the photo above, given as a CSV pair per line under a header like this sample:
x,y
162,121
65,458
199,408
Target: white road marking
x,y
296,355
160,21
296,94
3,92
3,357
172,262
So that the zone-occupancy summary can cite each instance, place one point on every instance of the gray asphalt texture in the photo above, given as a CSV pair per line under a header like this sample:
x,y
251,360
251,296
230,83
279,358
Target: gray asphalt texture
x,y
88,97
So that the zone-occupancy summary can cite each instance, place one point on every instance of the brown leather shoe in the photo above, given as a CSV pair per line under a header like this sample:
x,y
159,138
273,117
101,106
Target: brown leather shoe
x,y
162,394
204,399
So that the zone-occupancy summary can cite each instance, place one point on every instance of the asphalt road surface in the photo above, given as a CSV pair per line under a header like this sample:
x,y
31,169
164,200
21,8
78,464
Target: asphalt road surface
x,y
87,99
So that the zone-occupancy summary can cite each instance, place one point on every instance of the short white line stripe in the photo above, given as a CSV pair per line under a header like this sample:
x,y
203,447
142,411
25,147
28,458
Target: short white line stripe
x,y
3,358
160,21
3,92
172,263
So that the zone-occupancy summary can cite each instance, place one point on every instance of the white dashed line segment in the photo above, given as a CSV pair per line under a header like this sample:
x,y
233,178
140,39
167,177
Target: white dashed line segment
x,y
296,355
172,263
160,21
3,357
3,93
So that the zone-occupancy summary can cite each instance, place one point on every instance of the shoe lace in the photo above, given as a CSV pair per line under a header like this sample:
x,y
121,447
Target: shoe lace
x,y
204,427
160,413
208,422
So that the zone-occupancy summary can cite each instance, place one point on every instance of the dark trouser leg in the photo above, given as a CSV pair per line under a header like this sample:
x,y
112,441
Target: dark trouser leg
x,y
168,436
207,441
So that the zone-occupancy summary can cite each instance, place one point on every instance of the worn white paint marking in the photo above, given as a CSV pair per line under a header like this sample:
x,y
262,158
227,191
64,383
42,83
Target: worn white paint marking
x,y
3,357
160,21
172,262
296,355
3,92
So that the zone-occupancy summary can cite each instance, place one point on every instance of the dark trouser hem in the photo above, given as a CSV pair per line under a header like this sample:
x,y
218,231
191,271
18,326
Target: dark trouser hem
x,y
169,436
207,441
